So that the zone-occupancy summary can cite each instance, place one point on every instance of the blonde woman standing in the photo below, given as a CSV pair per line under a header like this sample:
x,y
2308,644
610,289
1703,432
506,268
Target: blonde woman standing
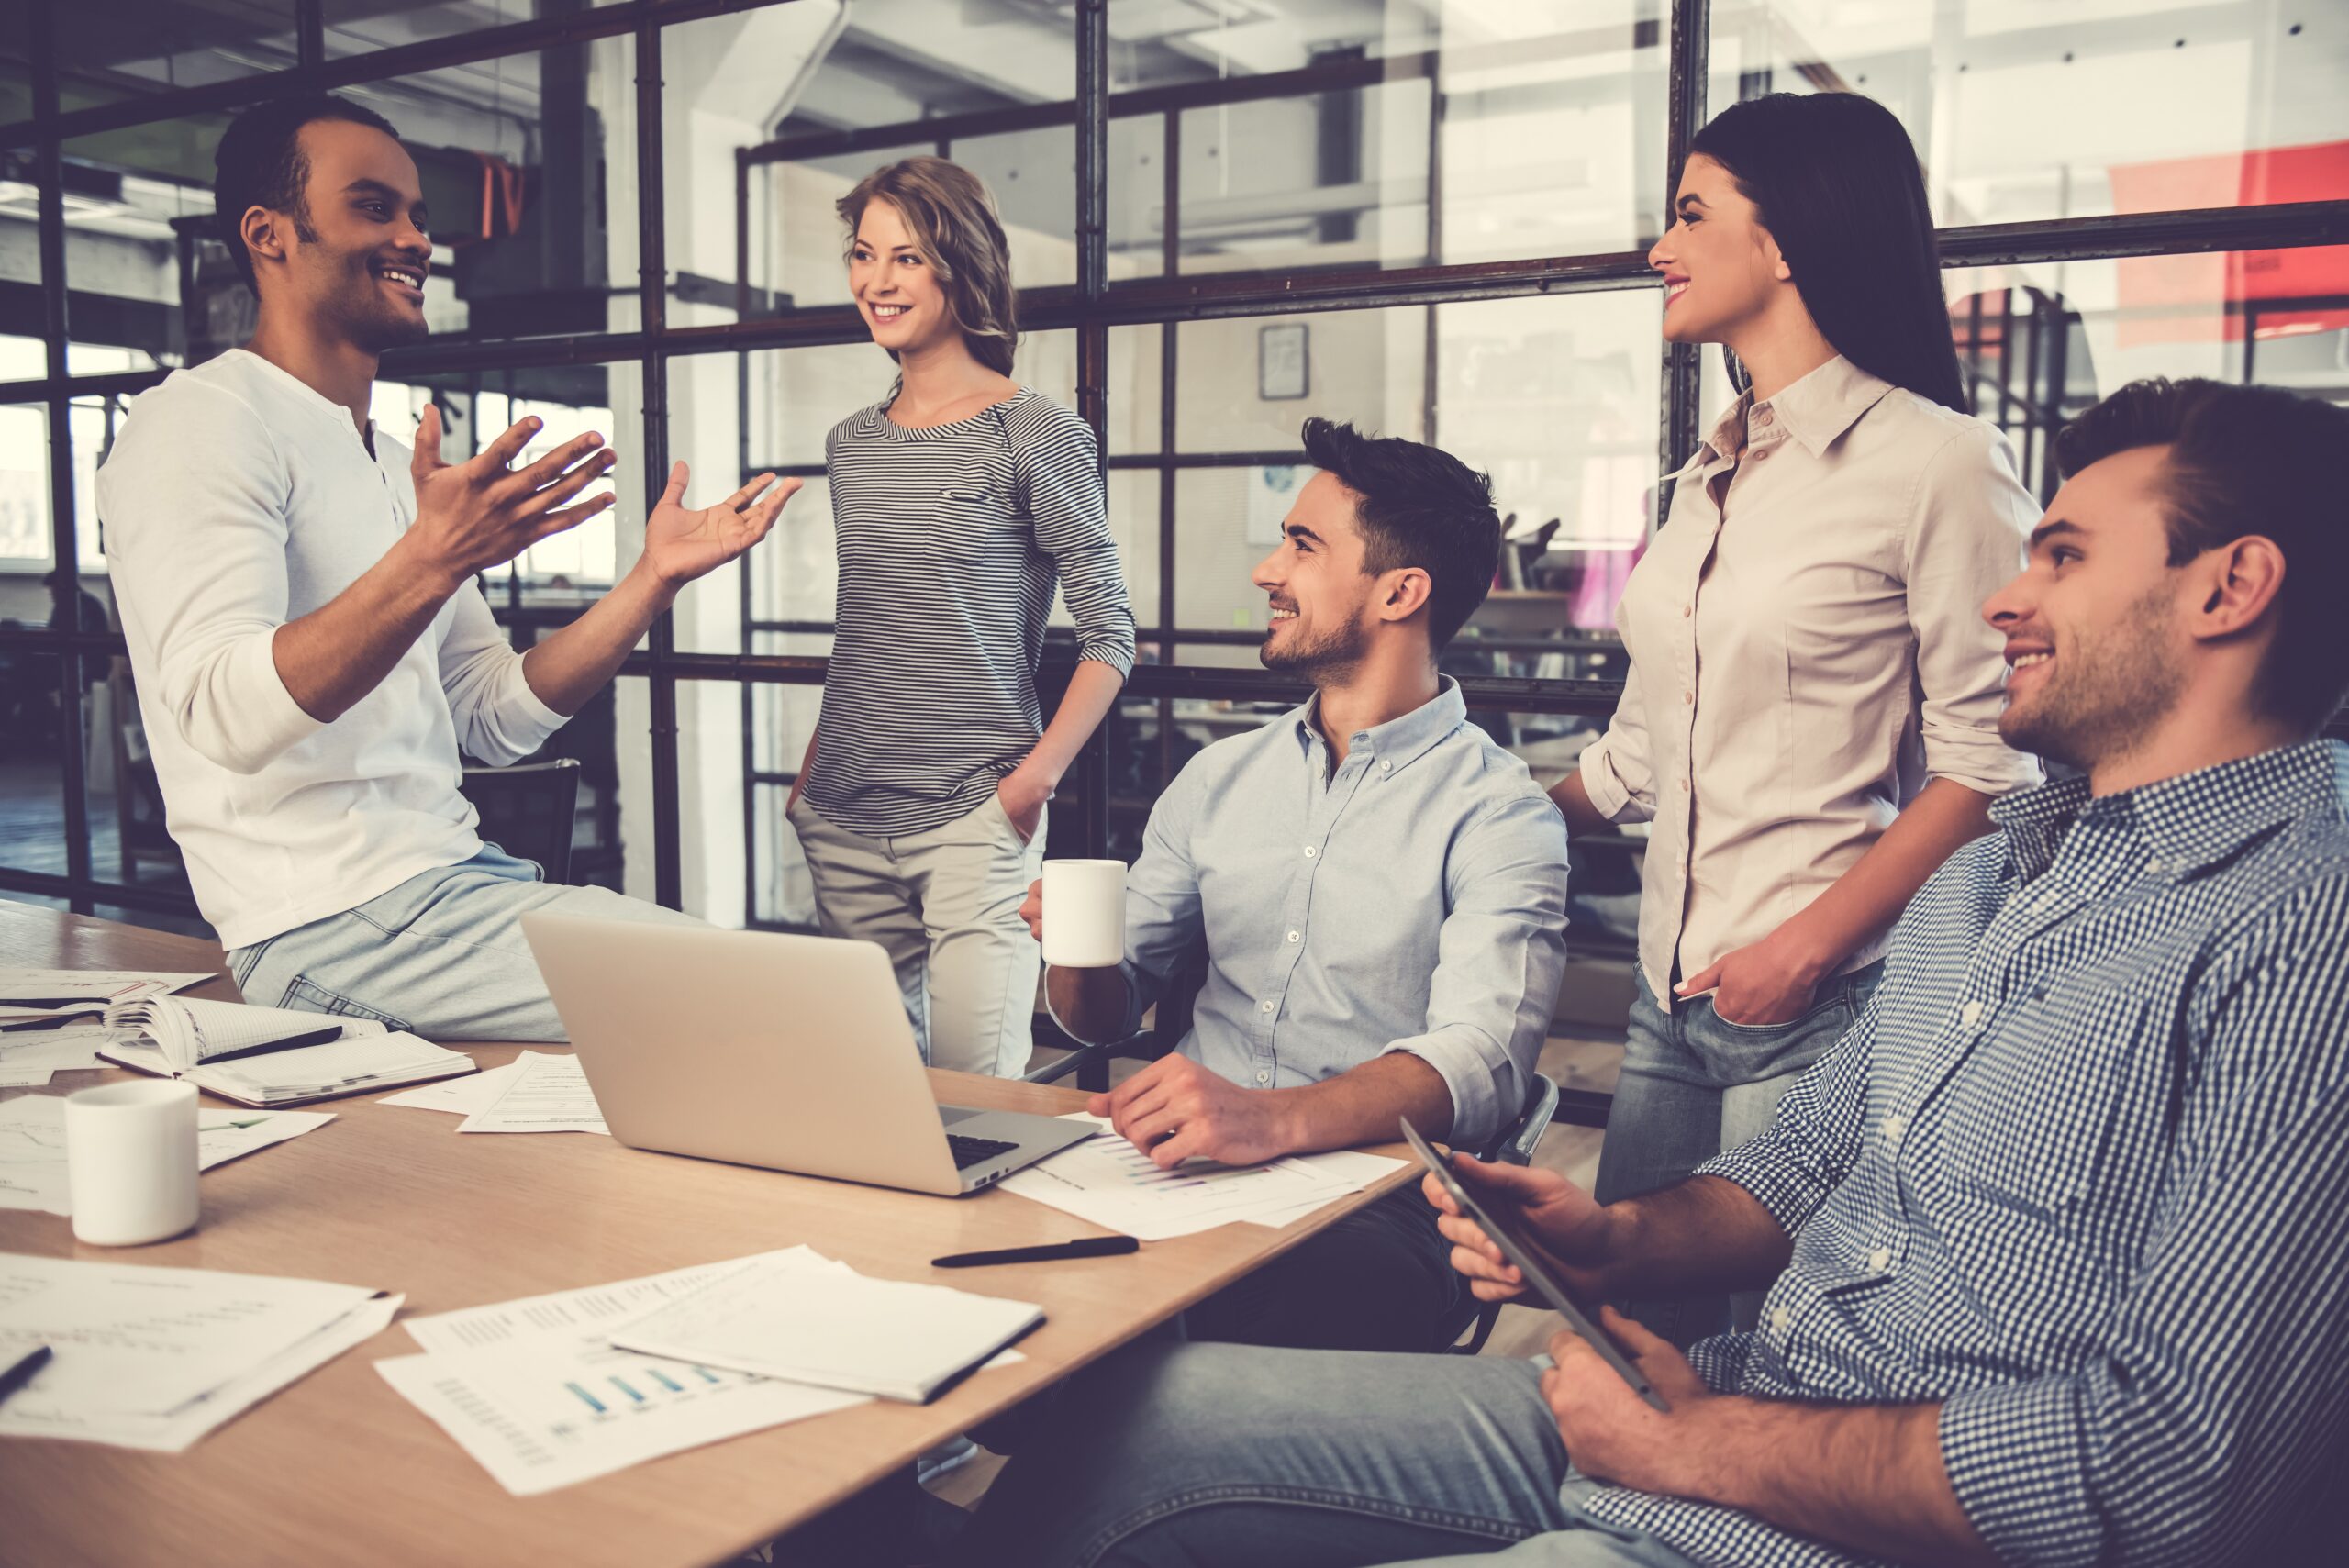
x,y
960,502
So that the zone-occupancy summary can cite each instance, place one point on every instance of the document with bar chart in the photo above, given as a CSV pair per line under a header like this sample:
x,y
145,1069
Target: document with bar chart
x,y
534,1393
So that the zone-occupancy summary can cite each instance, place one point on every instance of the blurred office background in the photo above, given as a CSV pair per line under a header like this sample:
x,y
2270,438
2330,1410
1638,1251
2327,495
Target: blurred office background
x,y
1424,215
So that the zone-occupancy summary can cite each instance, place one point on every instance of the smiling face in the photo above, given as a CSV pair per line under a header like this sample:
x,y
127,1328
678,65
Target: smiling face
x,y
2096,647
1721,268
354,260
896,289
1319,596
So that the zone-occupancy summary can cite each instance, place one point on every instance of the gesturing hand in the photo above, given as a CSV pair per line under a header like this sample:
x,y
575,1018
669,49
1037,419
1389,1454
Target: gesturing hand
x,y
479,513
680,546
1563,1220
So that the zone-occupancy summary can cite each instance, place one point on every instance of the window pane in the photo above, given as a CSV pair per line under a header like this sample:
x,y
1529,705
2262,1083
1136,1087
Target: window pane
x,y
188,43
2134,106
25,542
369,27
1245,384
1535,128
820,70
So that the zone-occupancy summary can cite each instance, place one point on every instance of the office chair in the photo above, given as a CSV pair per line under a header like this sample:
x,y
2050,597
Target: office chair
x,y
1172,1021
526,810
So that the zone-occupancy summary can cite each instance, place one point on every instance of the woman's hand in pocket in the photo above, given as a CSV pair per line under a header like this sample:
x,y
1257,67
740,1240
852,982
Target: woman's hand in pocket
x,y
1761,985
1023,796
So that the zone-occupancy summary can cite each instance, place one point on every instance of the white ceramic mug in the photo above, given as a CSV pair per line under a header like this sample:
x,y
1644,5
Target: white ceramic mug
x,y
1084,913
130,1152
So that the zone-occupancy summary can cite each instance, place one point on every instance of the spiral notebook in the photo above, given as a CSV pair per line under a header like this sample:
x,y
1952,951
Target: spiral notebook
x,y
270,1056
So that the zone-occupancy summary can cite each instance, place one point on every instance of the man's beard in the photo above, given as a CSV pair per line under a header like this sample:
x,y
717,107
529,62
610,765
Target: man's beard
x,y
375,325
2105,695
1333,652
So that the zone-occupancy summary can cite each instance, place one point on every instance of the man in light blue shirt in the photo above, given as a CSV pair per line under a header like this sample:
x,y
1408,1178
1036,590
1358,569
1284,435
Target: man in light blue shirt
x,y
1374,890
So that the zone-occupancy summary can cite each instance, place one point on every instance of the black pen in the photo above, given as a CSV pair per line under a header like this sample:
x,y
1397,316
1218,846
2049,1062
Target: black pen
x,y
20,1373
1090,1247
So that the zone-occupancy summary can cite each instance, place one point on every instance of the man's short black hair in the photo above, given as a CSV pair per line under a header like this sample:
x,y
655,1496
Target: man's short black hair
x,y
260,163
1417,507
2247,459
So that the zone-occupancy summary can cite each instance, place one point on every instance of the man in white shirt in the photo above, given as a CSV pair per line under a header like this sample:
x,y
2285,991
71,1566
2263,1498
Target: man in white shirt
x,y
311,650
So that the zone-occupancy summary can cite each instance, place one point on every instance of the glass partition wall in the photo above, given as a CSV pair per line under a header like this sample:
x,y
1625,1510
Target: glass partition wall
x,y
1428,217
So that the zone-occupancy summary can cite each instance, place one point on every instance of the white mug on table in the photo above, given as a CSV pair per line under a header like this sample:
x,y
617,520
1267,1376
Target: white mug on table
x,y
1084,913
130,1155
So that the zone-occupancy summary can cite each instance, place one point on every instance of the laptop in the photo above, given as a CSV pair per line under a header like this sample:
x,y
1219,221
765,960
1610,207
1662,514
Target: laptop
x,y
759,1047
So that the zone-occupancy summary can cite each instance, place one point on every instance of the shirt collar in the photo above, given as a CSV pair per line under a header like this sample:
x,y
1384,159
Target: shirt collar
x,y
317,402
2191,822
1401,740
1818,407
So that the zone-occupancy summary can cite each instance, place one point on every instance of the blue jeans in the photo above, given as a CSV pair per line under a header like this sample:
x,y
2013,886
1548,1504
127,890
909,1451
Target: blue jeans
x,y
1230,1456
1695,1084
440,955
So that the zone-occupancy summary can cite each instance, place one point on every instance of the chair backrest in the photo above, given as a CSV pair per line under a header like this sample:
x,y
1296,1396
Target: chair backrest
x,y
526,810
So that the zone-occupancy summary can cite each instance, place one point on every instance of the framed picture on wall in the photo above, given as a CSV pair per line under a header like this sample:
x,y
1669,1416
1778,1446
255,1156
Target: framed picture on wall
x,y
1281,361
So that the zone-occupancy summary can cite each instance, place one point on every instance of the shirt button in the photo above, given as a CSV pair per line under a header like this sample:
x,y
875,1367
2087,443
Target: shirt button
x,y
1268,1007
1385,767
1688,696
1764,417
1308,851
1292,936
1684,786
1780,1320
1970,1013
1264,1077
1879,1260
1760,453
1894,1125
1688,610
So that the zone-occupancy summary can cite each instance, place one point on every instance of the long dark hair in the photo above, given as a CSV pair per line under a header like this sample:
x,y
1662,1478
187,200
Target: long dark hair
x,y
1836,180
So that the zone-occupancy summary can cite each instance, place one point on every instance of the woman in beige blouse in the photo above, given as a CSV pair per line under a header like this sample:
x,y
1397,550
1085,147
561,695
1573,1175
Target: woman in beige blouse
x,y
1809,722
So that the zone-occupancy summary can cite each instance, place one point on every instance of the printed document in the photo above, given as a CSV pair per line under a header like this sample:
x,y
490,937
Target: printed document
x,y
154,1358
1110,1183
50,988
534,1391
549,1095
461,1096
32,1145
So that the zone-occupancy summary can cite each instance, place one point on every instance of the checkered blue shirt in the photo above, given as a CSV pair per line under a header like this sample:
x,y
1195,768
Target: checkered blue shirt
x,y
2080,1173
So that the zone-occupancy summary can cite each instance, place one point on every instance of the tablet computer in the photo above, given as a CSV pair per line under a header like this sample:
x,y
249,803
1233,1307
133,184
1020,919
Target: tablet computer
x,y
1584,1322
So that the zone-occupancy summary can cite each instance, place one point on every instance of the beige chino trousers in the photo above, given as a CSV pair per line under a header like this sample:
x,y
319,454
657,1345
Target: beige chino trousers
x,y
945,905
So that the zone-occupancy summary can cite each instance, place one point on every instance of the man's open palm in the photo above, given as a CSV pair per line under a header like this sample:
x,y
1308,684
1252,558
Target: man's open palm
x,y
682,545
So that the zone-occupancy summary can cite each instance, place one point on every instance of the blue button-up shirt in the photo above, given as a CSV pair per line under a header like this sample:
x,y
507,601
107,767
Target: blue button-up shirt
x,y
2081,1174
1413,900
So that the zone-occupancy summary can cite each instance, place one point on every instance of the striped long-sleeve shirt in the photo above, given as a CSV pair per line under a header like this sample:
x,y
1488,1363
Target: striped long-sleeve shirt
x,y
952,542
2077,1173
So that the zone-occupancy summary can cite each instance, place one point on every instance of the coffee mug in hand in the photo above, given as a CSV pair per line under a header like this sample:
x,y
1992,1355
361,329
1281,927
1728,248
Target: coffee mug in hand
x,y
130,1155
1084,913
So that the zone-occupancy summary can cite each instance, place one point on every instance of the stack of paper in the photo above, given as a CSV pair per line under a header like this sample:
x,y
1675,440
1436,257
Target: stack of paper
x,y
534,1393
155,1358
32,1145
463,1097
1110,1183
52,1020
834,1328
547,1093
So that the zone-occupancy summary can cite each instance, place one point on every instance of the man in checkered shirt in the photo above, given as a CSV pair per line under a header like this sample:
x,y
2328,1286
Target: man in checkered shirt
x,y
2059,1231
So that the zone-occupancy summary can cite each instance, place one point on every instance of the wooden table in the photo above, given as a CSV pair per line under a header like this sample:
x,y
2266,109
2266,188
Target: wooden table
x,y
338,1468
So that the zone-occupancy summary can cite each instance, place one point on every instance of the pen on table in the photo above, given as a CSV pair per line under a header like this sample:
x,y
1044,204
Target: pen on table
x,y
1088,1247
21,1373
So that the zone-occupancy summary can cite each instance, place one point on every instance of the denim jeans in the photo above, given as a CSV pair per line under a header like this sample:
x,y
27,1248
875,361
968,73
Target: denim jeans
x,y
441,954
1232,1456
1693,1085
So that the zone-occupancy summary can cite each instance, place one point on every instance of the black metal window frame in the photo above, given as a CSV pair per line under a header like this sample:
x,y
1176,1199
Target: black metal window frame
x,y
1091,308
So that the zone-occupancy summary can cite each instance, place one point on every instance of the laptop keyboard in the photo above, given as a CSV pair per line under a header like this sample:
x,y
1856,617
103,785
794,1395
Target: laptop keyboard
x,y
970,1152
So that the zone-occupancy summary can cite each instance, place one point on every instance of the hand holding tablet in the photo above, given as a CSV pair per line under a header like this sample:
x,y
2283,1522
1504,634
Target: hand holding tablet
x,y
1522,1253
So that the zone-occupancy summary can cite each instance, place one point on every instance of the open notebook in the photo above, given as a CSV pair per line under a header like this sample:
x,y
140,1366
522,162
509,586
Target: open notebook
x,y
269,1056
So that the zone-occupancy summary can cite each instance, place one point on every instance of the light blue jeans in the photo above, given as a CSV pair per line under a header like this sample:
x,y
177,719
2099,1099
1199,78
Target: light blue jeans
x,y
440,955
1233,1456
1693,1085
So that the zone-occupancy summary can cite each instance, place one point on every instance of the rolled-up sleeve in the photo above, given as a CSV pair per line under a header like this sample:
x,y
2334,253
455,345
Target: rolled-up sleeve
x,y
2217,1396
1965,540
499,718
194,496
1617,770
1166,933
1500,955
1060,482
